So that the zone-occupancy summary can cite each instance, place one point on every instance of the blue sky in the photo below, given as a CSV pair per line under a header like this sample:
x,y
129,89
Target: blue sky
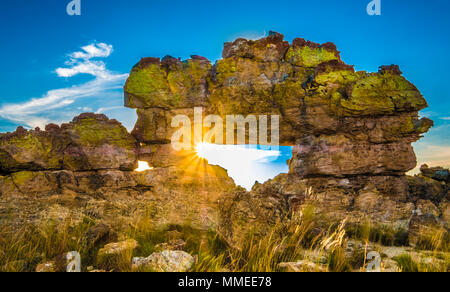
x,y
54,66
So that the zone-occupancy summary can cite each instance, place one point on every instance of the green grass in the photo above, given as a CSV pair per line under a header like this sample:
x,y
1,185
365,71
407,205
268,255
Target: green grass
x,y
414,264
22,250
385,235
295,239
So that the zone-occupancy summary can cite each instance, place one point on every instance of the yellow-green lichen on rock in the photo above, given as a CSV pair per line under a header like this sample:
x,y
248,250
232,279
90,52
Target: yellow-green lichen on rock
x,y
309,56
167,84
149,86
35,150
32,181
341,77
90,131
99,143
378,94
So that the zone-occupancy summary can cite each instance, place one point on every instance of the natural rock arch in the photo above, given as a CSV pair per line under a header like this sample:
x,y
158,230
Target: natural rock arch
x,y
351,131
341,122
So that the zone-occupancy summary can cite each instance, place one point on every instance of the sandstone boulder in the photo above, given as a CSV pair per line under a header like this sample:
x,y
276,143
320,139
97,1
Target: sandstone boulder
x,y
98,143
47,267
166,261
32,150
114,254
89,142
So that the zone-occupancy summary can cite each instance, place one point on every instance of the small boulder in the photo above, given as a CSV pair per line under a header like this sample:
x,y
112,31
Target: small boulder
x,y
113,254
302,266
425,188
424,207
445,211
47,267
171,245
97,234
166,261
119,247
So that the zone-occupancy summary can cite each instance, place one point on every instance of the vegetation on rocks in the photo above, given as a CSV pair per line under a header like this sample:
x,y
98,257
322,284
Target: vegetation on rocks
x,y
73,187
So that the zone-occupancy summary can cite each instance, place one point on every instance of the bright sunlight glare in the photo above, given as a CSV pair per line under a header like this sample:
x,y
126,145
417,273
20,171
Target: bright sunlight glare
x,y
143,166
247,164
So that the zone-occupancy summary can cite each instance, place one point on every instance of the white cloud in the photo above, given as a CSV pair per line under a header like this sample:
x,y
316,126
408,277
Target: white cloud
x,y
100,50
446,118
80,62
60,105
105,109
93,68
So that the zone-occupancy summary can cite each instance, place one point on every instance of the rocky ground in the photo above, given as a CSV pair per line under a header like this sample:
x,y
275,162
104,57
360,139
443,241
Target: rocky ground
x,y
351,133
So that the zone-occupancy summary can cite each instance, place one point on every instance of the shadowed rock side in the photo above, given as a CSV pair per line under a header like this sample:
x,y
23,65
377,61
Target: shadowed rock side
x,y
351,132
86,169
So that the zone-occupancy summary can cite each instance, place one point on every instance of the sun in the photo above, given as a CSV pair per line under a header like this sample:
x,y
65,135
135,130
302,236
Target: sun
x,y
202,149
143,166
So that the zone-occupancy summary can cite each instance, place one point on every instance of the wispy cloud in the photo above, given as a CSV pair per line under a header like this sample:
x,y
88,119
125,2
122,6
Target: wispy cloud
x,y
249,35
59,105
446,118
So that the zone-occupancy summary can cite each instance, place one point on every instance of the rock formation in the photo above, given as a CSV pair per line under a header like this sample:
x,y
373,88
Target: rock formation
x,y
86,169
89,142
351,133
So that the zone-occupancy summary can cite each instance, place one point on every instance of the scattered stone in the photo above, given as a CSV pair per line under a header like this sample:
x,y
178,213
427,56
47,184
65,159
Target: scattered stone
x,y
119,247
166,261
303,266
115,254
47,267
390,266
171,245
97,234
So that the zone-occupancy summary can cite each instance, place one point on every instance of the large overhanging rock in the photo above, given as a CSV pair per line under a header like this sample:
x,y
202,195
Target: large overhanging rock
x,y
342,122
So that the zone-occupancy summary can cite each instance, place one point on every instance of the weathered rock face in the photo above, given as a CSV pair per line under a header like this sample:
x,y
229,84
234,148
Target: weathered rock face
x,y
429,192
342,122
98,143
89,142
332,199
169,196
